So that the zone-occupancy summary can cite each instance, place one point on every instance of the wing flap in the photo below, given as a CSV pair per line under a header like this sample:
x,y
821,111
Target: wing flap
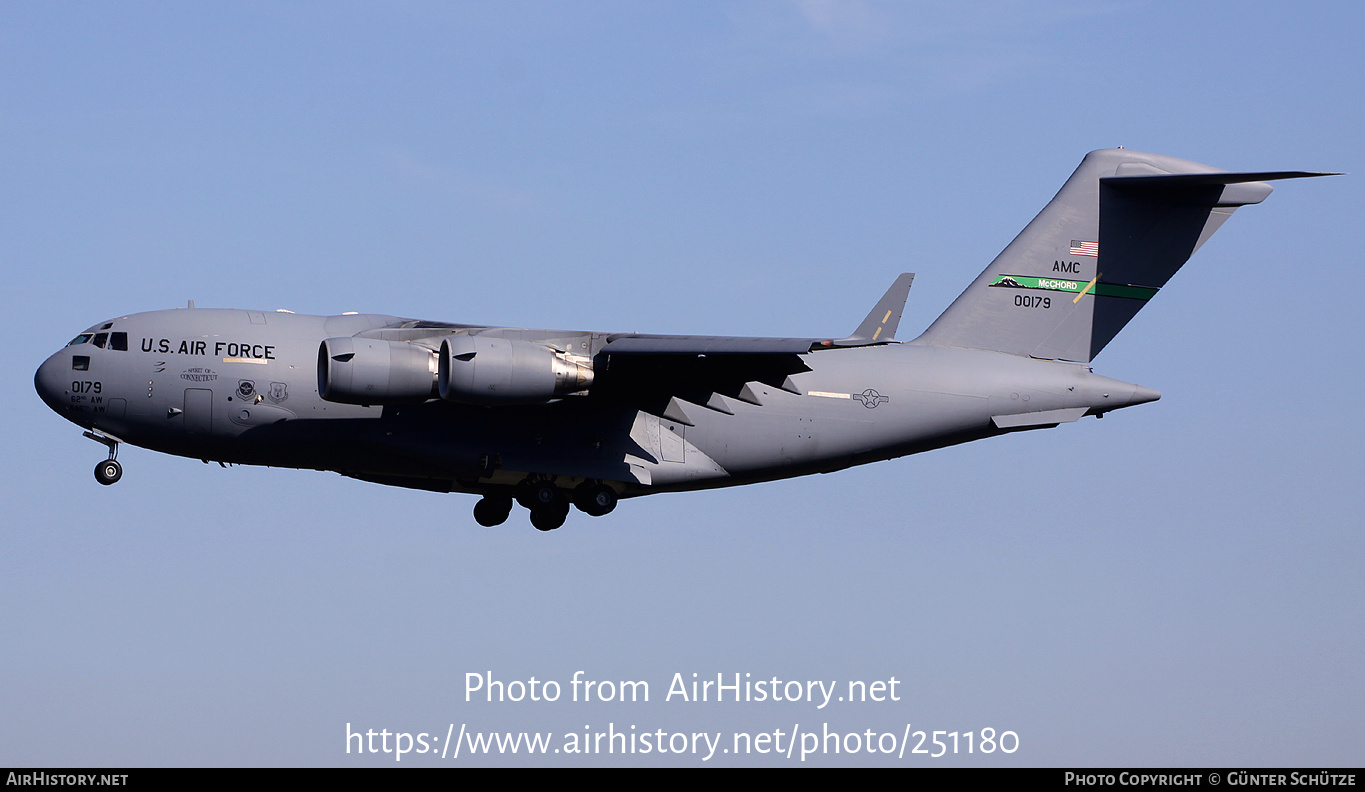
x,y
707,345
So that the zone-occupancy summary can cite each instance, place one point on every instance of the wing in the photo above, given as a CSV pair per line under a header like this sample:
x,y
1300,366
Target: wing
x,y
661,372
657,373
402,361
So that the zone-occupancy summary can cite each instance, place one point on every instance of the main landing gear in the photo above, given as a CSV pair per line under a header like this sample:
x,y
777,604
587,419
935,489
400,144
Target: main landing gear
x,y
549,508
492,509
594,499
108,471
548,503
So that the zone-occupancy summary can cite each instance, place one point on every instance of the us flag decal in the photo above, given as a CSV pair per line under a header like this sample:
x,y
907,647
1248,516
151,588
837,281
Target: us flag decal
x,y
1083,248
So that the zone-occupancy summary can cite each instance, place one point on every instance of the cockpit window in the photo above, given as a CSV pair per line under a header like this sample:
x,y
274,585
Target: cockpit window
x,y
116,341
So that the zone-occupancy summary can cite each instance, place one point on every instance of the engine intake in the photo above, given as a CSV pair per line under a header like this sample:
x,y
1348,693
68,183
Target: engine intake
x,y
480,370
370,371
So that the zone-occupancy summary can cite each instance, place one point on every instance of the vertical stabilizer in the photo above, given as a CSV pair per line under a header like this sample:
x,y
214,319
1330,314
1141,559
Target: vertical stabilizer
x,y
1103,246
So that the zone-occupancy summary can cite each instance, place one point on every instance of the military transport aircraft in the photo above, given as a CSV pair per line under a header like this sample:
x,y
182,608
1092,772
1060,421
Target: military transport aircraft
x,y
547,418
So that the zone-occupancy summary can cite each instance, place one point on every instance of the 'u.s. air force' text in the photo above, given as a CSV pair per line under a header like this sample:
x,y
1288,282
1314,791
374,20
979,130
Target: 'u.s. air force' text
x,y
196,346
731,687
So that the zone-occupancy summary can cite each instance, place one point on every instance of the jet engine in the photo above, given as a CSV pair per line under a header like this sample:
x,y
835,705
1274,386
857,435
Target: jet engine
x,y
370,371
481,370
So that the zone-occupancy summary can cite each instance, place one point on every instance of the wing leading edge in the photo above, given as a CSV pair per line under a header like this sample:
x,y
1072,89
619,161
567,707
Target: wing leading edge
x,y
879,327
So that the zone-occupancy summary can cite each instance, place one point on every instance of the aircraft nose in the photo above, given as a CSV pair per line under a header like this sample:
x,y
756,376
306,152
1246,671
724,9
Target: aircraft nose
x,y
50,379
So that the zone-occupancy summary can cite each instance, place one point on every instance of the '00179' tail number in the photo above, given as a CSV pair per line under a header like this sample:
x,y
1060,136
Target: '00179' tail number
x,y
1032,301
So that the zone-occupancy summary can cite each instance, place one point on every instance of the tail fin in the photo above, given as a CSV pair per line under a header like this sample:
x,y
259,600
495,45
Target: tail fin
x,y
1114,234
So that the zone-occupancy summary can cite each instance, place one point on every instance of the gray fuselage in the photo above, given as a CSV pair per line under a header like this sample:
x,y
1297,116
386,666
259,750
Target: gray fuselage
x,y
242,387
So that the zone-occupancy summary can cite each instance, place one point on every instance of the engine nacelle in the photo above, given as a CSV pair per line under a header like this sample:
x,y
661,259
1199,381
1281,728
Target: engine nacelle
x,y
370,371
480,370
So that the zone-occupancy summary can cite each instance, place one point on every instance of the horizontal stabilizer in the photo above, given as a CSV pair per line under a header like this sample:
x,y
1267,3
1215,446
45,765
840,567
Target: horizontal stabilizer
x,y
1204,189
1213,178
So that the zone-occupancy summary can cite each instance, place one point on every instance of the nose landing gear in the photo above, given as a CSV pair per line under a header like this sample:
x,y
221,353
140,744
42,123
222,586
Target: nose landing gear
x,y
108,471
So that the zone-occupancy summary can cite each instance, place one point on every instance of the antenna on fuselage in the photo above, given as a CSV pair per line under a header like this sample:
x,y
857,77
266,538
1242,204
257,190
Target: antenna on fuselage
x,y
191,305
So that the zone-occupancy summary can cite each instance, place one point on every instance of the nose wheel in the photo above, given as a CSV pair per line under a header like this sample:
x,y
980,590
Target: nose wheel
x,y
108,471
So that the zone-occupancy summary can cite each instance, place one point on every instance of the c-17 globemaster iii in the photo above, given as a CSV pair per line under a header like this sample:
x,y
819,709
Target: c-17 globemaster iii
x,y
550,418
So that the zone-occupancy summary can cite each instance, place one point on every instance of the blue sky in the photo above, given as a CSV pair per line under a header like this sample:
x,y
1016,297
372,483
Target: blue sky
x,y
1177,584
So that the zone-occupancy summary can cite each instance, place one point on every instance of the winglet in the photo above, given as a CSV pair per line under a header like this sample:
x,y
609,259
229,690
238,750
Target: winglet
x,y
881,323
